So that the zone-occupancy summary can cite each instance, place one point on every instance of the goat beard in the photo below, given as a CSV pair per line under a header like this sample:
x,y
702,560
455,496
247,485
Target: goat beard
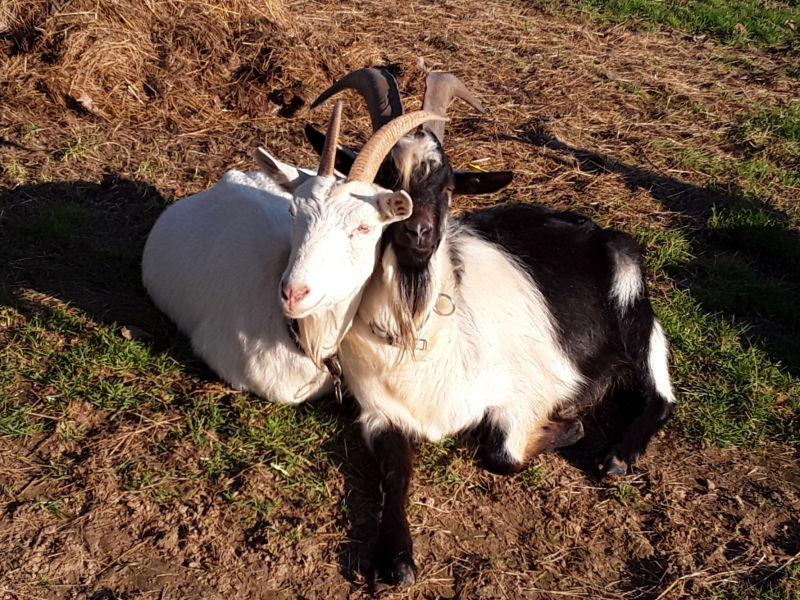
x,y
413,299
316,334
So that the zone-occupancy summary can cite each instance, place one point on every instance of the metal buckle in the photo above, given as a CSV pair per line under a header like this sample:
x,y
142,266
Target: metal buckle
x,y
334,366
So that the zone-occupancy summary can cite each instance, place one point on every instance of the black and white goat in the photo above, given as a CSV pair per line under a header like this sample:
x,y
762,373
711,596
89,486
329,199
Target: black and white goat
x,y
498,322
265,270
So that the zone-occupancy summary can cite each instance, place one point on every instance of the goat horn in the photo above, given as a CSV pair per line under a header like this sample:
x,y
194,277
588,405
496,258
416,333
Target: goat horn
x,y
366,165
440,89
328,157
378,88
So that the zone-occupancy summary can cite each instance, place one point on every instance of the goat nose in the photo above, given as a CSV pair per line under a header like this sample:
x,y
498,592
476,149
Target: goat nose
x,y
420,229
293,294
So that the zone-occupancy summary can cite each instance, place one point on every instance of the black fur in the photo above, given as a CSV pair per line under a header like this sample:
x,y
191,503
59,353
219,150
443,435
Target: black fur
x,y
393,560
572,261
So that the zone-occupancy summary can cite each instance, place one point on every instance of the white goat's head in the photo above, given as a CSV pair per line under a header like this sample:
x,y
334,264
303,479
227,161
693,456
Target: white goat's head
x,y
337,225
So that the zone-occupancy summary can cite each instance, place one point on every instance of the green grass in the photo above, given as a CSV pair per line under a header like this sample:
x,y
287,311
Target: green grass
x,y
780,123
624,493
774,133
731,392
78,147
729,291
665,248
16,171
53,355
736,22
784,586
751,175
63,222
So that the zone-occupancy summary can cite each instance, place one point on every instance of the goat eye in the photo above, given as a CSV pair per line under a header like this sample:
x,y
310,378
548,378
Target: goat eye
x,y
362,229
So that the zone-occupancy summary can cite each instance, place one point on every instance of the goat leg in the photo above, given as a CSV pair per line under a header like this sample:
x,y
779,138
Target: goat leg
x,y
496,456
636,436
393,560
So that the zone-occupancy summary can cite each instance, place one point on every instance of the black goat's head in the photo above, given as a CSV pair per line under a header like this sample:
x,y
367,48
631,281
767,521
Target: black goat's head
x,y
417,163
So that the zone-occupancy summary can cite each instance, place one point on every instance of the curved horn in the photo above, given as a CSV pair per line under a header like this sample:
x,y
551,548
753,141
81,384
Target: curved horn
x,y
440,89
377,147
378,88
328,156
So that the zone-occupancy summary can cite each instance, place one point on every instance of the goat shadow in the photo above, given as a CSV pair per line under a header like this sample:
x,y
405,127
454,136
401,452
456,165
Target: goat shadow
x,y
81,242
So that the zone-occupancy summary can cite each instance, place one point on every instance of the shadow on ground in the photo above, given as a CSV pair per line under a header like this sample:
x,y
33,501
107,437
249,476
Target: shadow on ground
x,y
81,242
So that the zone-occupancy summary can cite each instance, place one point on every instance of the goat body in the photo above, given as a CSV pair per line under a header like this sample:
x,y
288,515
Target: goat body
x,y
213,264
520,313
497,352
548,310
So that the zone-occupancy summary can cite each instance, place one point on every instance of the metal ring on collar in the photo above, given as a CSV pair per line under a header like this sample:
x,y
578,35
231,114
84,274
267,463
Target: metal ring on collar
x,y
445,313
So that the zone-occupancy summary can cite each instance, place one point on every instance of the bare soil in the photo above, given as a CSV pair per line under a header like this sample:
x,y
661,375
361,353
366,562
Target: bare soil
x,y
124,107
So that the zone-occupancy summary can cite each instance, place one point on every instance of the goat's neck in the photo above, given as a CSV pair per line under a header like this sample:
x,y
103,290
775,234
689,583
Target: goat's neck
x,y
320,334
388,310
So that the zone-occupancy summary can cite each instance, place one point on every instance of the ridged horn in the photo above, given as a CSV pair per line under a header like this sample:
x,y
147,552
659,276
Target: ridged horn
x,y
440,89
378,88
328,157
377,147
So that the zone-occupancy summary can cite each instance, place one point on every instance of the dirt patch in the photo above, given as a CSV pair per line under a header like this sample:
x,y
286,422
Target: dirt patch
x,y
120,108
703,517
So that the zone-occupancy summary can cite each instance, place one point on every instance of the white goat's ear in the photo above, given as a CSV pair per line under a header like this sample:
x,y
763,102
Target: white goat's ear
x,y
394,206
286,176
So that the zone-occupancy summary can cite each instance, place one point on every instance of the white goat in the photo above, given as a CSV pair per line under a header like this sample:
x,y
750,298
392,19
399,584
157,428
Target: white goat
x,y
232,265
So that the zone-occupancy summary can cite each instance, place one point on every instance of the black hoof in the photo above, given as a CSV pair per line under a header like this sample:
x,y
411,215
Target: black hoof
x,y
497,461
613,465
572,434
397,570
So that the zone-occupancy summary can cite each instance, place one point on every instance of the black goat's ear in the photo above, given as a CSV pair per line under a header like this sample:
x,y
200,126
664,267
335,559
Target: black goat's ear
x,y
344,156
470,183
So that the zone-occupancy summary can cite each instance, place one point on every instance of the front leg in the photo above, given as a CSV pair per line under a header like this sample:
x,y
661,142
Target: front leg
x,y
393,560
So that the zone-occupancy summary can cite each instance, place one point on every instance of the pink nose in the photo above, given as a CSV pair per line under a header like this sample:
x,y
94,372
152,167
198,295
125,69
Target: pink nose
x,y
294,294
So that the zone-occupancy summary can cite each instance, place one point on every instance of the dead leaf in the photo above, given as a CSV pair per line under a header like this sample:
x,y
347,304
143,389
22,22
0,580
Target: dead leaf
x,y
86,102
740,28
791,24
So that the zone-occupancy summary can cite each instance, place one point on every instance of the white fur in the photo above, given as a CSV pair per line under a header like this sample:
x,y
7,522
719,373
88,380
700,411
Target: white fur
x,y
412,152
658,361
213,263
498,352
627,284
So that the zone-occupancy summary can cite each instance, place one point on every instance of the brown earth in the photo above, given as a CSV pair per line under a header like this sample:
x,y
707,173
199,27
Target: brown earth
x,y
127,106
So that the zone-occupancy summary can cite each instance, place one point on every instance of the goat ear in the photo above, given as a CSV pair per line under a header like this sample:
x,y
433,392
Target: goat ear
x,y
476,182
285,176
394,206
344,156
